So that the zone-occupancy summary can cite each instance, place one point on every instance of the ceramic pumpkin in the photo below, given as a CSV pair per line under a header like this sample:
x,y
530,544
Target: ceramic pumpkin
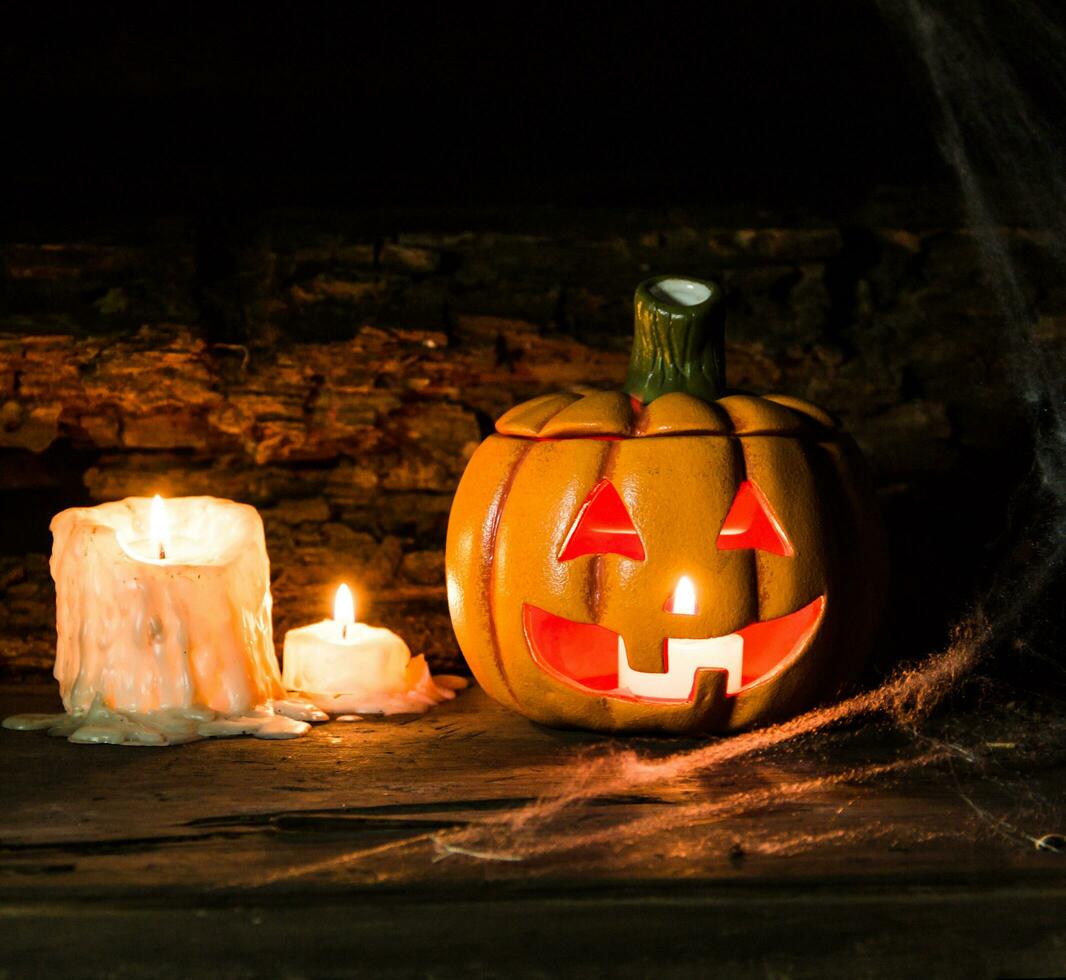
x,y
670,557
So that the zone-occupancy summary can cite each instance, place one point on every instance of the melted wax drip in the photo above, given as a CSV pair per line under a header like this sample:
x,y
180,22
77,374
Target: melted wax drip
x,y
288,718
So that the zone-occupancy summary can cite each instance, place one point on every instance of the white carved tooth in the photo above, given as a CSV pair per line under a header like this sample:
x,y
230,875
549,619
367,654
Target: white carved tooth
x,y
684,657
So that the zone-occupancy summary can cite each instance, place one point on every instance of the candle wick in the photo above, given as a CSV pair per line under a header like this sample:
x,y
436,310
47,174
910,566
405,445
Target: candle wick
x,y
162,552
344,631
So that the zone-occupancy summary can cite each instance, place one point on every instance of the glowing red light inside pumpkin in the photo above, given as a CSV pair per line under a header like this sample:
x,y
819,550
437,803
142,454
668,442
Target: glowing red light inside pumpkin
x,y
751,523
585,656
603,526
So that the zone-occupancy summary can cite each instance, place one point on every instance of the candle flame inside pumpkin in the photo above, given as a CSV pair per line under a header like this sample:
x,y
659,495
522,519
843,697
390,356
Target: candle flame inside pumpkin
x,y
158,528
344,609
683,601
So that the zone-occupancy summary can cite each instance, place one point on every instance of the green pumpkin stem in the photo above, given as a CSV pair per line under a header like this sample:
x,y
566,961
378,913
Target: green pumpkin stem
x,y
678,339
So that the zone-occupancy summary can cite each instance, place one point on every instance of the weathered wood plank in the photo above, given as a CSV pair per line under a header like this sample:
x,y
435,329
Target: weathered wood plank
x,y
485,932
317,856
360,802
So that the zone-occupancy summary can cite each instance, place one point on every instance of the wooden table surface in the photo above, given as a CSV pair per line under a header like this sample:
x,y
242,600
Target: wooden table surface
x,y
322,857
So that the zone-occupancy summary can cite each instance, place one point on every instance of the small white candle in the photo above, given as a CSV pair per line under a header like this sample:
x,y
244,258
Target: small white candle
x,y
342,656
685,657
342,666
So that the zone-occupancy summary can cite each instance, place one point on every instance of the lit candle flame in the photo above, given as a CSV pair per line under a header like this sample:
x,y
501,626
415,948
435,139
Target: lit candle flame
x,y
344,610
158,529
684,602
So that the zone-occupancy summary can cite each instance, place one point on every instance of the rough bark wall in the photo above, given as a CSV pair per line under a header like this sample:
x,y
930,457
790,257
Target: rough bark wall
x,y
338,376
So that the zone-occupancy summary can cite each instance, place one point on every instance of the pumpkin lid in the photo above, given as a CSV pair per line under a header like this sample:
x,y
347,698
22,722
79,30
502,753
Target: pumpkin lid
x,y
676,381
613,414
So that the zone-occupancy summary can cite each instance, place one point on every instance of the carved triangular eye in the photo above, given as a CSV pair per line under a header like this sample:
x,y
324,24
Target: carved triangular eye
x,y
751,523
603,526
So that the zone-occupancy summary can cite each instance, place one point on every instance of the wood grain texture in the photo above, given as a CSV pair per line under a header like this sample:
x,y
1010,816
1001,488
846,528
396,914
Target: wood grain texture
x,y
316,857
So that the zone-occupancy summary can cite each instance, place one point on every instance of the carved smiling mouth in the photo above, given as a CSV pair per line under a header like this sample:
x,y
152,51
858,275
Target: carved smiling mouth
x,y
593,658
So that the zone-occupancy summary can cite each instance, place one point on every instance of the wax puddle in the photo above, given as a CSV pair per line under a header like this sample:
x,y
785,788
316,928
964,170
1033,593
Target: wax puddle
x,y
279,719
421,692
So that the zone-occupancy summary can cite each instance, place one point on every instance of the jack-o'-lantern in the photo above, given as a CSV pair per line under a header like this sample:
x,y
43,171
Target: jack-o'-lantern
x,y
667,558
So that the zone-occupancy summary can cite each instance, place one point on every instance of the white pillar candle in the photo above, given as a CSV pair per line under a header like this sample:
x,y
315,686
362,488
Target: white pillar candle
x,y
172,619
345,666
163,616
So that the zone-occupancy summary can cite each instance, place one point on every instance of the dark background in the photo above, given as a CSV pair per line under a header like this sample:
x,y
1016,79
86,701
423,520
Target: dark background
x,y
171,108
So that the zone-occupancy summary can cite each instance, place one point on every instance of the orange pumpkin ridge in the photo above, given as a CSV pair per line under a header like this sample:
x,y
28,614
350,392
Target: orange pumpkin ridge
x,y
490,564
